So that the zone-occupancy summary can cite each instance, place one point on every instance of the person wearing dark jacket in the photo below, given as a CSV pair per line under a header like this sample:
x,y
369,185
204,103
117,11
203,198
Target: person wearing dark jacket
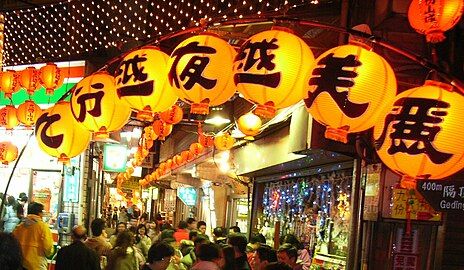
x,y
239,243
77,255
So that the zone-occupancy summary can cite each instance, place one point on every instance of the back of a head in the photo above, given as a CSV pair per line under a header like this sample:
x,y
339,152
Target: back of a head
x,y
257,238
97,226
266,253
158,251
11,200
193,235
228,253
292,240
124,239
208,252
239,241
191,220
10,252
235,229
291,250
219,232
35,208
79,232
277,266
182,225
200,239
166,234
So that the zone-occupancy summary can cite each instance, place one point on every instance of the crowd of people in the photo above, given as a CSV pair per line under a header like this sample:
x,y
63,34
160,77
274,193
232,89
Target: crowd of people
x,y
146,246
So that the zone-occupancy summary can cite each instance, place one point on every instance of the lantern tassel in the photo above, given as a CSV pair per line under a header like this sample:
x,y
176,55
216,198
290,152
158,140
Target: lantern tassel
x,y
435,36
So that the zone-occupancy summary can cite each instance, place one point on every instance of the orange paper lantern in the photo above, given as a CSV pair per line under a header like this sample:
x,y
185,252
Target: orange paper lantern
x,y
9,83
51,77
196,149
271,70
141,81
224,141
205,140
200,72
8,118
161,129
162,167
350,89
185,155
433,18
169,164
28,113
178,160
173,115
8,152
250,125
421,138
59,135
29,79
95,105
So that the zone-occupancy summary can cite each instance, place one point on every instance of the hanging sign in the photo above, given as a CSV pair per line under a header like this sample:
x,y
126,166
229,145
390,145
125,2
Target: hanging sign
x,y
420,209
443,196
371,192
114,158
188,195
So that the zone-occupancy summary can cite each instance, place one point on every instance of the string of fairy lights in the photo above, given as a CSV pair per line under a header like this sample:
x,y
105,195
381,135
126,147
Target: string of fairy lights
x,y
76,28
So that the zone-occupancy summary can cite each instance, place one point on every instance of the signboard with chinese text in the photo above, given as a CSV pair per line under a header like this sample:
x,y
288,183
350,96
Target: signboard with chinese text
x,y
443,196
46,190
188,195
420,209
169,200
371,192
406,256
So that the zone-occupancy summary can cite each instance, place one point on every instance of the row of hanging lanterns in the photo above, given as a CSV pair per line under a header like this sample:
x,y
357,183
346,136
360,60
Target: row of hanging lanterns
x,y
349,89
30,79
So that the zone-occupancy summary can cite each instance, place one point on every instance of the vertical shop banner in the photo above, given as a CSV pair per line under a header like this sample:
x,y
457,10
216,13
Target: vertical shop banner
x,y
46,189
170,200
406,256
71,184
371,192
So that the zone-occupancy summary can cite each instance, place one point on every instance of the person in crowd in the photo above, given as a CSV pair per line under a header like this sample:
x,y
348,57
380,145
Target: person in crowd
x,y
35,238
201,225
136,211
264,255
77,256
191,224
159,256
303,255
209,255
122,227
143,218
153,231
256,240
187,245
23,201
228,258
288,254
190,259
142,241
234,229
166,233
181,233
123,215
10,217
10,252
98,242
277,266
109,215
219,236
239,243
159,220
175,263
124,255
114,218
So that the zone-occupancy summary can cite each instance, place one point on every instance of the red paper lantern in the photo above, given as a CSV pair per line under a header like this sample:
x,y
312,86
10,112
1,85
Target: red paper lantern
x,y
172,116
51,77
9,83
224,141
433,18
196,149
161,129
8,118
29,79
206,140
